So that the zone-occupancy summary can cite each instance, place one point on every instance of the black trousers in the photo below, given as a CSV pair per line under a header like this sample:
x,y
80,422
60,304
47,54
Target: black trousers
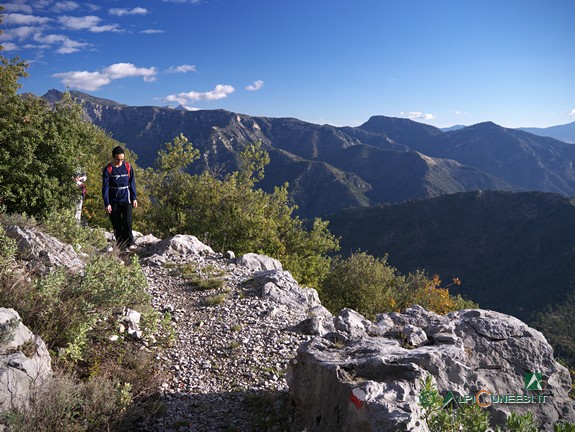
x,y
121,218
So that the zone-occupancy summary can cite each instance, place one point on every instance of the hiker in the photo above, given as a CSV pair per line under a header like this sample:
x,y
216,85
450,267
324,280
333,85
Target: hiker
x,y
119,193
79,180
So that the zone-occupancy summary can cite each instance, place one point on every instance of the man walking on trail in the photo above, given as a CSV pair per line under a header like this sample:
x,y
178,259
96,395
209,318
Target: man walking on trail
x,y
119,193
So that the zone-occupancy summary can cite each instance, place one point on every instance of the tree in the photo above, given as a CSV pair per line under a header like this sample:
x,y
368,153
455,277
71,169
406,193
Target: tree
x,y
232,213
42,147
38,152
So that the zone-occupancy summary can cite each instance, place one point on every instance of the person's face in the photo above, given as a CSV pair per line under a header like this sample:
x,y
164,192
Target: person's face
x,y
118,158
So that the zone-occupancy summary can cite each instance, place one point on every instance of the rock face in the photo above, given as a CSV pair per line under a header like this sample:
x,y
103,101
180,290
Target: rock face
x,y
44,252
259,262
182,244
158,252
367,376
281,288
24,361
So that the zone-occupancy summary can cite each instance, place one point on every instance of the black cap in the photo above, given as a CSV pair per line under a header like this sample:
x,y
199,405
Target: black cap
x,y
117,150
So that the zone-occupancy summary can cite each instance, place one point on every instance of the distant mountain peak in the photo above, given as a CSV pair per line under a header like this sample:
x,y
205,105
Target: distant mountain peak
x,y
54,96
390,125
487,124
565,133
453,128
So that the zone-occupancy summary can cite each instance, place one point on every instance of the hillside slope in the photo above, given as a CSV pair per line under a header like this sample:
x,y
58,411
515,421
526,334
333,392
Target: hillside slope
x,y
514,252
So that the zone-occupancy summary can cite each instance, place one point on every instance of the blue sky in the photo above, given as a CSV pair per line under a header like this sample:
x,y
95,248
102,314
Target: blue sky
x,y
440,62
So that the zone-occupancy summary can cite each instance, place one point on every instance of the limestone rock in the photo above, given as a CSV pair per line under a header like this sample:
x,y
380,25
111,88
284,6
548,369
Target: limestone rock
x,y
280,287
44,252
132,319
146,240
259,262
182,244
371,382
24,361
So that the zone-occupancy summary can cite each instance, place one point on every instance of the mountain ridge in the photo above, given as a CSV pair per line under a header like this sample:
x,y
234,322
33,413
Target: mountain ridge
x,y
396,159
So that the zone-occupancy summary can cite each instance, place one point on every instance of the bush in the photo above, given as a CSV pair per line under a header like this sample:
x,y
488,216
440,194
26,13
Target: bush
x,y
370,286
7,251
62,225
66,310
363,283
65,404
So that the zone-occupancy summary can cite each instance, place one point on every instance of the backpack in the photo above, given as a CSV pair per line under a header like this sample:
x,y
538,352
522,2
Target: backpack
x,y
125,163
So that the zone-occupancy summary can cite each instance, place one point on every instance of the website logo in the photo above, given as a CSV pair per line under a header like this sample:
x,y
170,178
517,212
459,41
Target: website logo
x,y
533,381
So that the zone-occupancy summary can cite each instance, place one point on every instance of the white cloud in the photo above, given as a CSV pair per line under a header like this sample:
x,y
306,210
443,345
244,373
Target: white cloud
x,y
89,22
51,39
416,115
105,28
67,45
256,85
19,33
21,19
9,46
17,7
34,46
40,4
65,6
122,12
189,108
461,113
125,70
152,31
79,23
181,69
83,80
221,91
91,81
70,46
571,113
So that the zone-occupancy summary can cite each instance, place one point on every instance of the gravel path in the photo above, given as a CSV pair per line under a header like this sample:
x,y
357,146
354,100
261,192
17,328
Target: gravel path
x,y
226,370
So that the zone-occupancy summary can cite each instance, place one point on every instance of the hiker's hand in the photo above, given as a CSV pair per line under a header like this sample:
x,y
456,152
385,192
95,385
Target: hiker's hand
x,y
109,209
134,203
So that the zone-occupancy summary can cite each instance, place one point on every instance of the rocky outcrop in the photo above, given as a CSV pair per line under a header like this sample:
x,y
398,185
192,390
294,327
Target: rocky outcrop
x,y
44,252
257,262
280,288
157,252
24,361
367,376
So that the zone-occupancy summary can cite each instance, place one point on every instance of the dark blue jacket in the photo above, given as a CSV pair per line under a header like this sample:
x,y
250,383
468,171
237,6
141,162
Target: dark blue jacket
x,y
118,186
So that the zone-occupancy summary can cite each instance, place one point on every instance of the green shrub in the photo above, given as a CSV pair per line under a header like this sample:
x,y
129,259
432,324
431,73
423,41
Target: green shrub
x,y
65,404
361,282
65,310
564,427
7,251
203,279
521,423
370,286
233,214
215,299
62,225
